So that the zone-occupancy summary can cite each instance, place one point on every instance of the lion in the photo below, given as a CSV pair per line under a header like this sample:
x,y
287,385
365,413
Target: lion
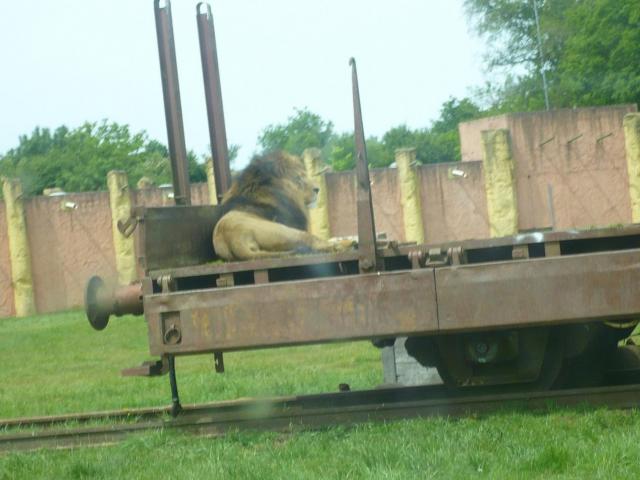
x,y
264,212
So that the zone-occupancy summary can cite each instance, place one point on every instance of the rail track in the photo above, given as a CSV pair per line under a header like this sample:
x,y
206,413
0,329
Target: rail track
x,y
294,413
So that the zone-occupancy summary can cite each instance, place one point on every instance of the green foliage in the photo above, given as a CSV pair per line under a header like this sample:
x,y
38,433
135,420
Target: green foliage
x,y
86,373
589,52
439,143
600,63
340,152
85,376
302,130
78,160
509,26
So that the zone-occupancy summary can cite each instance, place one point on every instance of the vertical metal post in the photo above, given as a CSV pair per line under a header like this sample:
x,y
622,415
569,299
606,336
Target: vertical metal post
x,y
175,398
213,95
172,107
368,258
545,87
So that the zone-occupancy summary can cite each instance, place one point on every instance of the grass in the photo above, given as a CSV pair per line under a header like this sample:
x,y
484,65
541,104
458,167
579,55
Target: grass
x,y
56,364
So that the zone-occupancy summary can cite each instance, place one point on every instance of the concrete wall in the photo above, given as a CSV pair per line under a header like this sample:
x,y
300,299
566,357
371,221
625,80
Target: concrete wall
x,y
471,135
453,207
158,197
577,153
583,161
386,203
580,153
6,288
68,246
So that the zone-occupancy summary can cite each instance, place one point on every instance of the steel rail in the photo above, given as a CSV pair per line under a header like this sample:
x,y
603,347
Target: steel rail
x,y
303,412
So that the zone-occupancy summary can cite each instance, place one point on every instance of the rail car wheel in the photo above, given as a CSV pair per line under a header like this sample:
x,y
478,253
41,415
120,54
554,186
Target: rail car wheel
x,y
529,357
593,355
577,355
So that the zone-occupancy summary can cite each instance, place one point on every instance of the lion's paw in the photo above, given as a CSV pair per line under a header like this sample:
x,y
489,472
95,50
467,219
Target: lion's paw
x,y
342,244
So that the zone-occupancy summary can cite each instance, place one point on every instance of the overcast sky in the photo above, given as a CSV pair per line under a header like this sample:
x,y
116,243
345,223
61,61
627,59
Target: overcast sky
x,y
69,61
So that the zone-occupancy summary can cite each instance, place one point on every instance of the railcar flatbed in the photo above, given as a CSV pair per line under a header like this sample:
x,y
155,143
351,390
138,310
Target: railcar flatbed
x,y
514,310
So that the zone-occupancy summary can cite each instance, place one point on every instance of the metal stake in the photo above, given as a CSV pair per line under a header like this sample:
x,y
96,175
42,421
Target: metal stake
x,y
213,95
175,399
545,86
368,258
172,107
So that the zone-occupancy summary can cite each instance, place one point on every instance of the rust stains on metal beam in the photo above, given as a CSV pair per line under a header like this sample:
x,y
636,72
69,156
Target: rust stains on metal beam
x,y
529,292
512,294
366,224
172,106
309,311
213,96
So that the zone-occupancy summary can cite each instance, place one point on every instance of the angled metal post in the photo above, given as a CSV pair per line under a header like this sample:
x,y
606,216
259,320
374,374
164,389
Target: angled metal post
x,y
172,107
213,95
368,258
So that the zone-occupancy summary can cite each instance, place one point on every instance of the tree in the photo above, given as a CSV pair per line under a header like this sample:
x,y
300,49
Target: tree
x,y
79,159
600,62
439,143
302,130
340,152
589,51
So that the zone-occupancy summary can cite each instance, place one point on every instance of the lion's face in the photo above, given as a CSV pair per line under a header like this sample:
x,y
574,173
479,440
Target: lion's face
x,y
295,179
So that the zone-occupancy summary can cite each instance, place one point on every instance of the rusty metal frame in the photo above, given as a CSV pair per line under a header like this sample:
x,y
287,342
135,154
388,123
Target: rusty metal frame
x,y
551,242
172,105
194,306
213,96
276,314
368,256
493,295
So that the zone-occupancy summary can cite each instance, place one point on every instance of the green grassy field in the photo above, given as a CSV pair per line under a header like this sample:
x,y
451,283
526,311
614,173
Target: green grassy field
x,y
56,364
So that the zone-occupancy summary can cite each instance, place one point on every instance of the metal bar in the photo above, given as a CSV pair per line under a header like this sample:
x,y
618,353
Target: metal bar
x,y
213,95
172,106
568,236
545,86
175,398
537,291
314,411
368,257
218,362
257,265
288,313
553,290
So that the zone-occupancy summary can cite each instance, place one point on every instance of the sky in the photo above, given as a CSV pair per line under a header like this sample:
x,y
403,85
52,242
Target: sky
x,y
71,61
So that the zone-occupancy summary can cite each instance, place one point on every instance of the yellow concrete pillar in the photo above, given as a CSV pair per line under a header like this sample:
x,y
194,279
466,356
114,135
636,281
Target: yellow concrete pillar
x,y
23,297
120,202
410,195
211,182
499,178
318,213
631,126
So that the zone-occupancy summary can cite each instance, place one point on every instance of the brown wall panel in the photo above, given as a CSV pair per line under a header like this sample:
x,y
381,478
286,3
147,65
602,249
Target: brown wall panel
x,y
453,207
579,153
68,245
6,285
